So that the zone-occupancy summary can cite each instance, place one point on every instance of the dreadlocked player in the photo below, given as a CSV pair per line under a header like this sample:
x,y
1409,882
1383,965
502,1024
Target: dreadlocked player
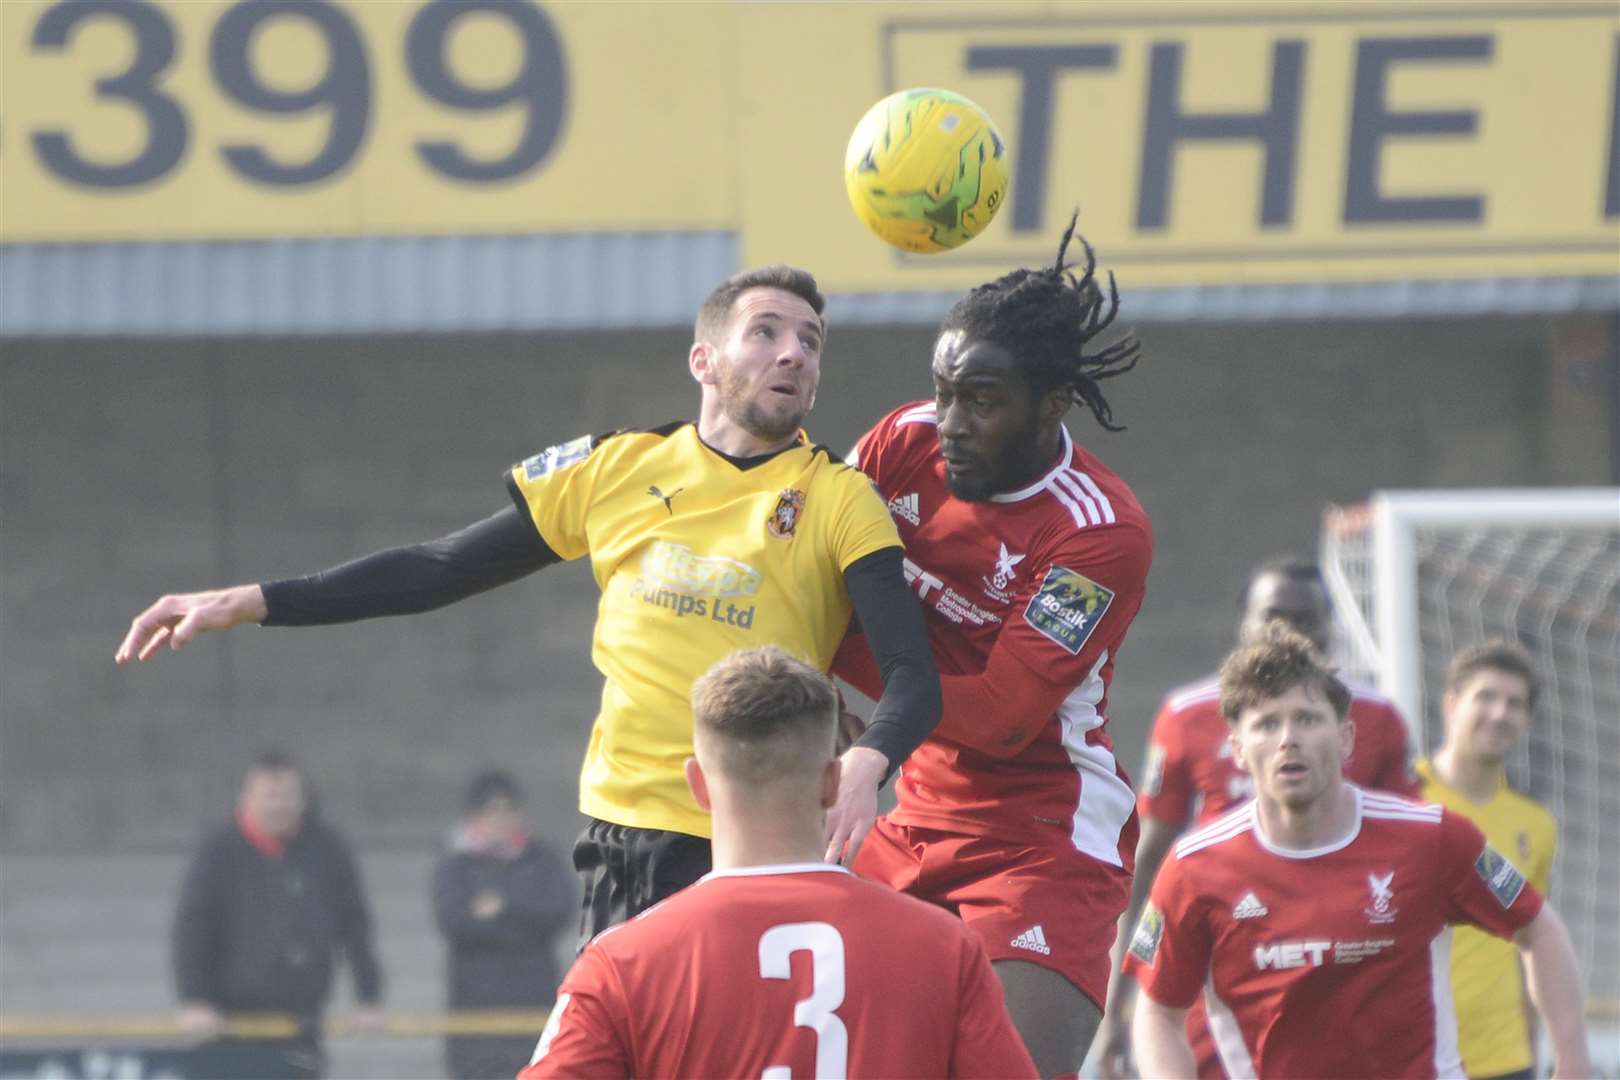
x,y
1030,557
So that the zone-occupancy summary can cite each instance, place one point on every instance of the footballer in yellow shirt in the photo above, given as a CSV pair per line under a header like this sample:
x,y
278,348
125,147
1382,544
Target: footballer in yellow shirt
x,y
728,533
1487,706
697,556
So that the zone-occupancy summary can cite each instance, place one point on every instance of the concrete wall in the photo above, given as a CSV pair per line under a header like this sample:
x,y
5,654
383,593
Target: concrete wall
x,y
131,468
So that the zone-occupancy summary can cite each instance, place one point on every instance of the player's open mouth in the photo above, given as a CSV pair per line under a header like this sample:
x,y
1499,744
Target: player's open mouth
x,y
787,389
1292,768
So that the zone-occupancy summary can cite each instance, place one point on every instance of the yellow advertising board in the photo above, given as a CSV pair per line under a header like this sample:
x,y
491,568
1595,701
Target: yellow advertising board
x,y
1211,143
127,119
1204,142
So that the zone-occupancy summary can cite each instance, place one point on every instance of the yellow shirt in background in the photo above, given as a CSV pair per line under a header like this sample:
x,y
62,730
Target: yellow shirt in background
x,y
697,556
1486,984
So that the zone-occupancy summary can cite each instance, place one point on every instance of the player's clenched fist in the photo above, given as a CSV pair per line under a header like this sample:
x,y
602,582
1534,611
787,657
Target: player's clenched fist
x,y
178,618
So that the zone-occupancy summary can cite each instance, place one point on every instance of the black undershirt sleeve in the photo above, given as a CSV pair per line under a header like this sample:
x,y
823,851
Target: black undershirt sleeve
x,y
893,623
419,577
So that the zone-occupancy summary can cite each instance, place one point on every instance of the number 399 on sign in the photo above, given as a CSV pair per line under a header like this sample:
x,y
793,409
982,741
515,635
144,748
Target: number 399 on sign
x,y
304,77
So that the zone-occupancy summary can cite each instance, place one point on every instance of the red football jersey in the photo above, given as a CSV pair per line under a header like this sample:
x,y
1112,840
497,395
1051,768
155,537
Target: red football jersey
x,y
1049,576
1190,772
1333,961
782,971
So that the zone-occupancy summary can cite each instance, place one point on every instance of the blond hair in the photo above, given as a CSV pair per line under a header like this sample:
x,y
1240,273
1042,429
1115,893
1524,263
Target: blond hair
x,y
761,714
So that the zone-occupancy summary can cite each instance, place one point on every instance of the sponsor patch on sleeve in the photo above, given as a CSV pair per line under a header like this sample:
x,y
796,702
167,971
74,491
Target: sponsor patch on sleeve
x,y
557,457
1500,876
1067,608
1153,770
1149,932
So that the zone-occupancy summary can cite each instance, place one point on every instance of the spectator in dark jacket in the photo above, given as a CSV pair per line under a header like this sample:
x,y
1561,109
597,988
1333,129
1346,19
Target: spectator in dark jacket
x,y
501,898
268,904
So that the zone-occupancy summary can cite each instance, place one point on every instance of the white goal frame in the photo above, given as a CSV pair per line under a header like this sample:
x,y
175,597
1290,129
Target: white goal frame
x,y
1371,556
1389,649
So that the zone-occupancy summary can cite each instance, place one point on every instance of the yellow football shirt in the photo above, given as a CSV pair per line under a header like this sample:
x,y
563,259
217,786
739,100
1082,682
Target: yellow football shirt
x,y
1486,985
697,557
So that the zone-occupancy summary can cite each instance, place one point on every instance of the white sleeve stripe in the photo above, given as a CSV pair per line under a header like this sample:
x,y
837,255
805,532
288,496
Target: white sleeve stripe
x,y
1385,799
1396,815
1096,493
1062,481
1234,824
1184,698
553,1022
922,414
1079,515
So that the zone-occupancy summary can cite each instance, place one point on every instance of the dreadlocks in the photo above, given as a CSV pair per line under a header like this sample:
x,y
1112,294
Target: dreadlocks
x,y
1045,318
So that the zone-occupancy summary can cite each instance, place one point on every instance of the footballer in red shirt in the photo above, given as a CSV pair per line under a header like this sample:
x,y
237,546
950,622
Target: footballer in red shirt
x,y
787,970
1314,920
1030,557
777,965
1191,776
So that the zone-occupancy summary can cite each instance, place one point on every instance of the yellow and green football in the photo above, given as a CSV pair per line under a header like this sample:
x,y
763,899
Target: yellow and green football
x,y
926,170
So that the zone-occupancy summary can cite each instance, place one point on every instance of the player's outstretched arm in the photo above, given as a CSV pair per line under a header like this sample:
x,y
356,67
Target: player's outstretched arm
x,y
1113,1037
1555,988
179,617
1159,1034
398,581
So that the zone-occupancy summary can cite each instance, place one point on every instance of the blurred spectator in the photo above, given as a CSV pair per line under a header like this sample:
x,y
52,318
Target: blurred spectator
x,y
268,903
501,898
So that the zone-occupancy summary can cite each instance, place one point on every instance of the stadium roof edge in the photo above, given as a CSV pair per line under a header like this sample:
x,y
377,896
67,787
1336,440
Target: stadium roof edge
x,y
580,281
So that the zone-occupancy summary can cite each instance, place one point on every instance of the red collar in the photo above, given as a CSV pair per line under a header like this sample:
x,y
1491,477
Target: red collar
x,y
476,839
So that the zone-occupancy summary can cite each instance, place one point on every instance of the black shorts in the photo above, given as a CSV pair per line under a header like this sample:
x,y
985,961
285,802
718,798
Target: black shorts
x,y
627,870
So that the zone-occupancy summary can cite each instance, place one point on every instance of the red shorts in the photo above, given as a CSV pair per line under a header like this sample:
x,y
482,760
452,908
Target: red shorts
x,y
1050,906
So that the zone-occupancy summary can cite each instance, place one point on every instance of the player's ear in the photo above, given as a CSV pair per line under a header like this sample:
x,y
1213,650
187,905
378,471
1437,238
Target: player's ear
x,y
1347,733
1237,748
829,783
698,783
1053,405
701,362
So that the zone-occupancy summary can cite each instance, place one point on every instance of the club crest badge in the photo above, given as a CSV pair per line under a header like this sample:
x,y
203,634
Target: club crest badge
x,y
1381,901
1006,570
785,518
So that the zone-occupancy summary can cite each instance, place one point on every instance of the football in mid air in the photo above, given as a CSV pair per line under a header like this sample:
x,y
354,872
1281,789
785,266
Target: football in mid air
x,y
926,170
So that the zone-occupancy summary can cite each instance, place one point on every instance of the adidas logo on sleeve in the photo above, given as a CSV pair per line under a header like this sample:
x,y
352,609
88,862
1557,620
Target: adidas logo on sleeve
x,y
1033,939
906,506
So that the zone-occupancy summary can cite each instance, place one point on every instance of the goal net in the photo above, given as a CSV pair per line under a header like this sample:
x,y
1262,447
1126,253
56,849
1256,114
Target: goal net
x,y
1417,576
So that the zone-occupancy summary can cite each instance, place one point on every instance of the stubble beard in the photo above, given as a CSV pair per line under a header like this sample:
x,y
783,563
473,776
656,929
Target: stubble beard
x,y
1001,478
748,414
967,490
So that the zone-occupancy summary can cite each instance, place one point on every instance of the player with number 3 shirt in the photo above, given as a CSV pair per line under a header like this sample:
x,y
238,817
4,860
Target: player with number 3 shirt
x,y
776,964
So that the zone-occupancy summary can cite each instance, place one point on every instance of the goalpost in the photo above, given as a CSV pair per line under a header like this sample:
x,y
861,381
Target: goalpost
x,y
1416,576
